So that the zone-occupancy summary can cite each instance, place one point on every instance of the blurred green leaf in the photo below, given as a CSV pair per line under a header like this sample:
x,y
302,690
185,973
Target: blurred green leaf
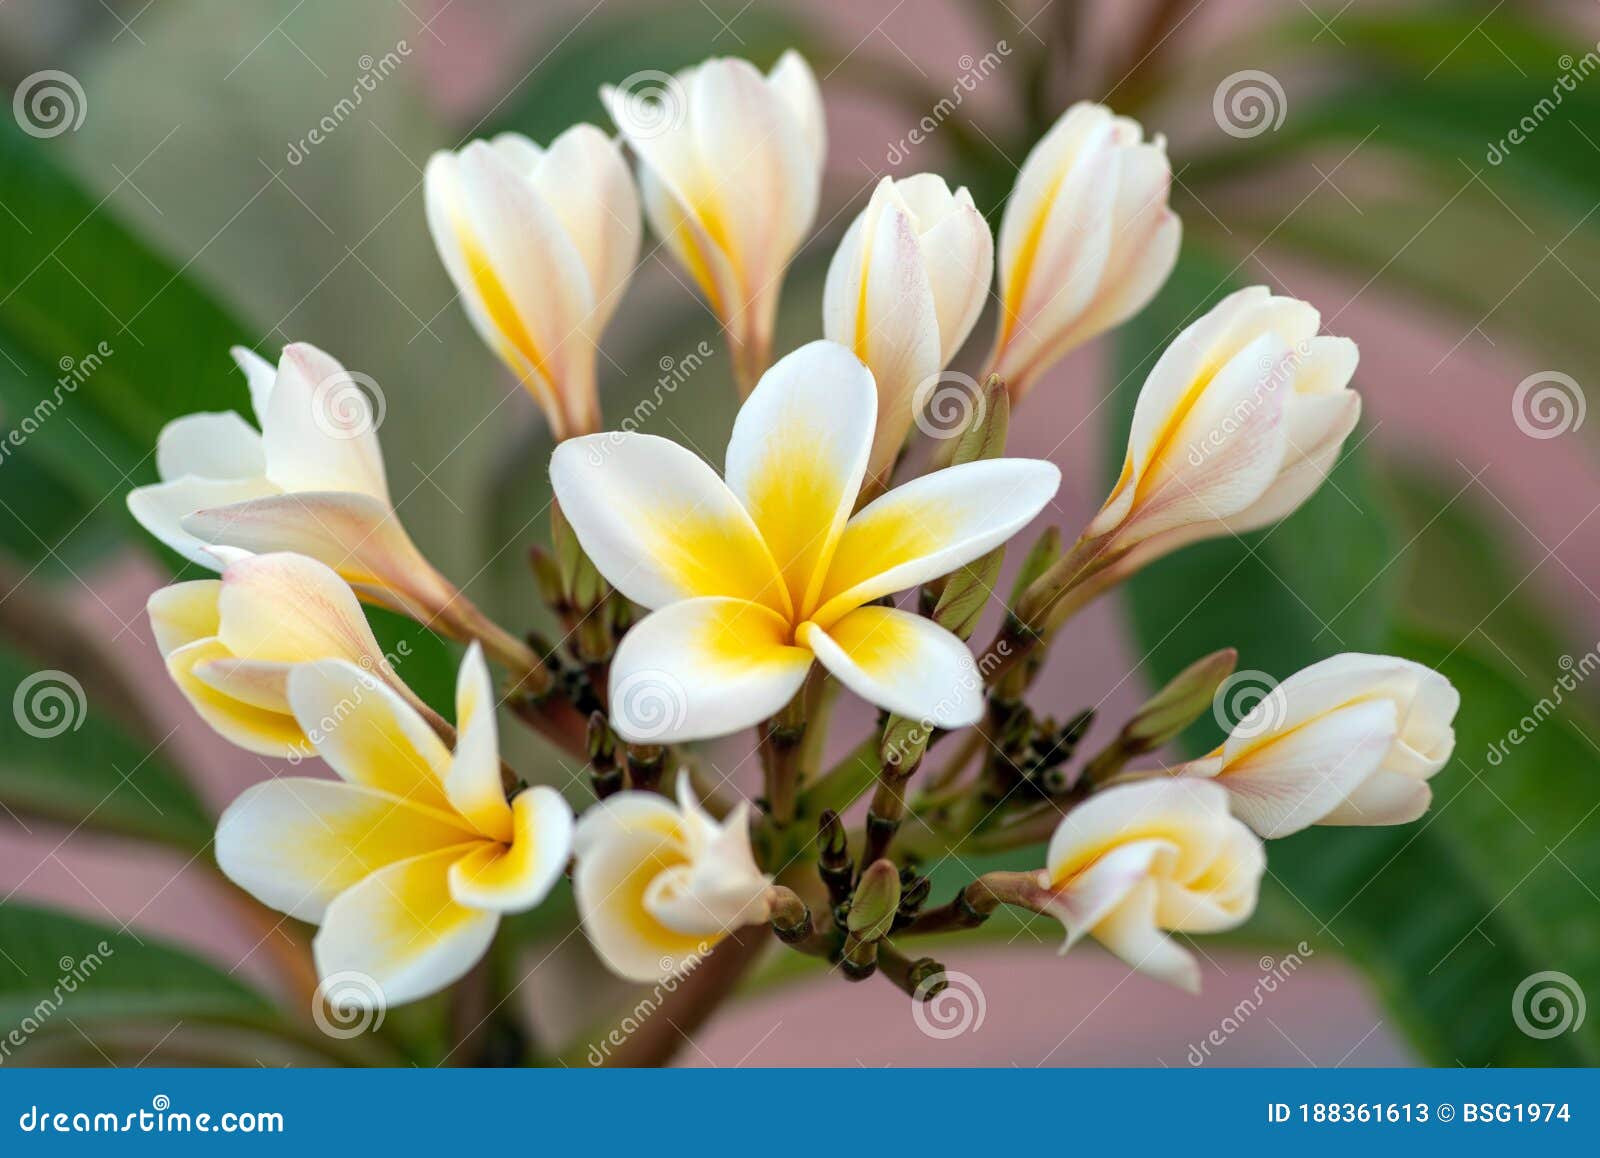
x,y
55,967
96,372
66,761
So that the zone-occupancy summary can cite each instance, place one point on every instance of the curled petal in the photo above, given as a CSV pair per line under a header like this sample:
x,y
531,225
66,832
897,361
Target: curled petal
x,y
903,663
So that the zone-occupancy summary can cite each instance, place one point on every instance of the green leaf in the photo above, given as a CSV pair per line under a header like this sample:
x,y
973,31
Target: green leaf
x,y
96,372
66,761
54,967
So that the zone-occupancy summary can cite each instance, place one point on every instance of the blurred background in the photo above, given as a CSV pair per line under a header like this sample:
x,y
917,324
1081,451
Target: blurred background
x,y
1427,174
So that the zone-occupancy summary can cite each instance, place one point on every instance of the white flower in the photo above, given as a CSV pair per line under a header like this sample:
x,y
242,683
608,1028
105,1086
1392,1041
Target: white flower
x,y
541,244
1085,242
751,579
658,886
903,291
311,481
1134,862
409,859
231,643
1237,425
1353,739
731,172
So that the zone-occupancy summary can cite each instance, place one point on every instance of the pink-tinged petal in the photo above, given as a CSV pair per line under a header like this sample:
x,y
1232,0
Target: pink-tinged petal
x,y
289,609
162,509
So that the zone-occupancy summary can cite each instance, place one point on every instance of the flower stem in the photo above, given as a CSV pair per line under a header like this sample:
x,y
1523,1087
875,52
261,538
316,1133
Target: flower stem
x,y
781,739
976,903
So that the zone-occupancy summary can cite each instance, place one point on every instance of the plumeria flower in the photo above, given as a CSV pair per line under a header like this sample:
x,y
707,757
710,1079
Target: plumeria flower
x,y
903,291
658,886
1085,242
409,859
231,643
310,481
1238,424
1353,739
1134,862
540,244
731,173
751,579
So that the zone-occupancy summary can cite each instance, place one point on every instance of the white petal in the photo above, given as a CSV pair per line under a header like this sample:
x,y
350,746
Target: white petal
x,y
369,735
403,930
659,524
1294,780
319,431
162,508
702,668
473,780
295,843
792,79
931,526
290,609
1386,798
903,663
259,375
210,445
514,879
797,456
585,181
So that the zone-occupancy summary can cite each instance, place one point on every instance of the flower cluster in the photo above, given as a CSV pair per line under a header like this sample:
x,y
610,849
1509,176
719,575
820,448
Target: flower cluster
x,y
699,603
